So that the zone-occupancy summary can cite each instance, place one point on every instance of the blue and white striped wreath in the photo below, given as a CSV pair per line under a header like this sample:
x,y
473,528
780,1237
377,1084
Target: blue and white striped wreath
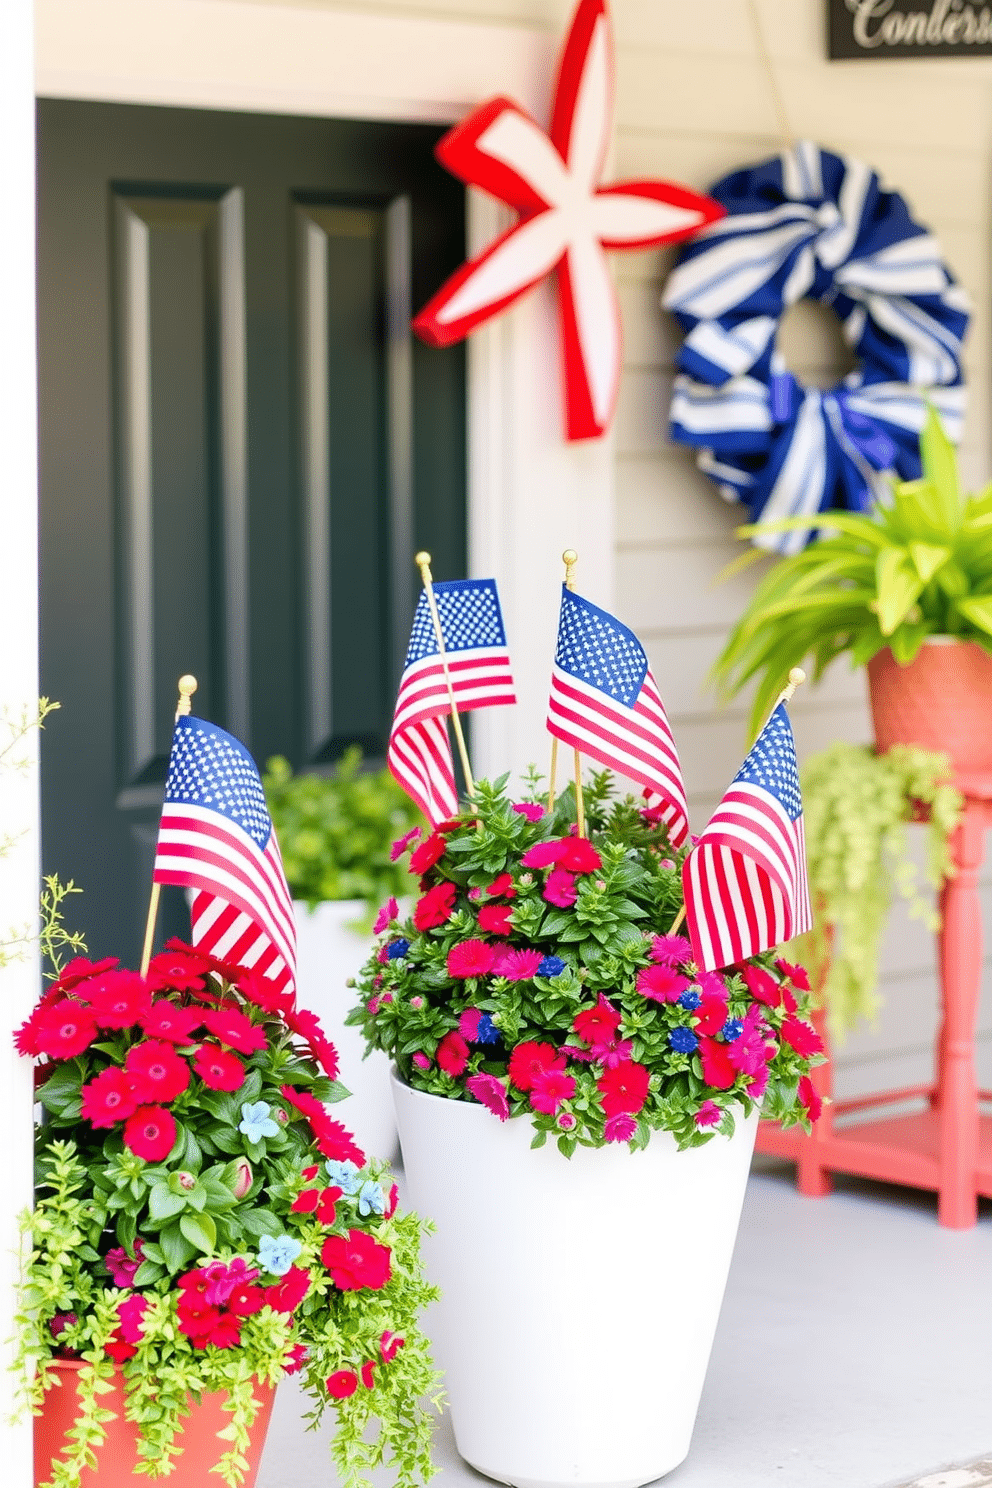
x,y
809,224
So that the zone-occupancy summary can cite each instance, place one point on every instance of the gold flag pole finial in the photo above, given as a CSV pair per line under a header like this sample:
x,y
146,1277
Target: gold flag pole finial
x,y
796,679
570,558
423,562
187,687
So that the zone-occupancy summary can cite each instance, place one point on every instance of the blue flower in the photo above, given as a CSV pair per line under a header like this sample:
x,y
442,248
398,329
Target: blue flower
x,y
371,1199
256,1121
683,1040
276,1253
397,949
344,1175
487,1032
690,1000
732,1029
551,966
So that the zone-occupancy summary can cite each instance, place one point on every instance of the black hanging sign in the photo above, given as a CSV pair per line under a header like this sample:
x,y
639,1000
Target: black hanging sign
x,y
878,29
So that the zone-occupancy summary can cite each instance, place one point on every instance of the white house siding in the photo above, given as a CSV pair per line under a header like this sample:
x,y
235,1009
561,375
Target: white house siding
x,y
694,101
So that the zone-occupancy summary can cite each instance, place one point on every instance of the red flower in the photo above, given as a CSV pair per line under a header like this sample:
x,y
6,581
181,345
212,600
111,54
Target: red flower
x,y
715,1059
579,856
150,1133
542,854
356,1261
624,1089
495,919
261,990
530,1059
392,1199
762,985
311,1172
26,1037
218,1068
597,1025
810,1097
430,851
197,1318
804,1039
342,1384
306,1023
231,1027
330,1137
118,1349
118,999
435,908
470,958
550,1088
109,1098
661,984
368,1373
158,1073
164,1020
327,1208
390,1345
306,1201
246,1299
559,888
502,887
80,970
490,1093
295,1359
131,1312
452,1054
712,1012
64,1030
225,1331
797,975
288,1292
178,973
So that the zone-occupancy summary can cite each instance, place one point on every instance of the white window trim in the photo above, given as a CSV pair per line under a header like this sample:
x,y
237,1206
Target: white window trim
x,y
530,493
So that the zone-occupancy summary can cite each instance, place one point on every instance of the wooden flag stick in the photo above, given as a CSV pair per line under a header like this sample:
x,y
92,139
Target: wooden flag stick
x,y
796,678
187,687
570,558
423,562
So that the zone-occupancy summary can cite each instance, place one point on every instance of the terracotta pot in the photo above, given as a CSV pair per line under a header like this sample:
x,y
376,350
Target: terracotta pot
x,y
941,701
118,1456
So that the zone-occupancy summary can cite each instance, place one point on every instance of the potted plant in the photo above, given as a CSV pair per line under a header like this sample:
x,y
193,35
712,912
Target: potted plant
x,y
857,805
905,589
336,833
537,1010
203,1229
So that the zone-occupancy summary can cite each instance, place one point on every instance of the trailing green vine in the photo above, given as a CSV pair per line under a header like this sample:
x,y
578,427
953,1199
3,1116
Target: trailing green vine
x,y
856,808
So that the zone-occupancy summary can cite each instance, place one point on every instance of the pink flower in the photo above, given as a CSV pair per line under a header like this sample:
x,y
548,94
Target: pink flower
x,y
797,975
661,983
295,1359
435,907
529,1060
502,887
421,1061
119,998
758,1084
550,1088
108,1098
711,1014
619,1128
529,809
579,856
218,1068
670,950
611,1054
566,1121
386,916
517,966
231,1027
599,1024
157,1072
468,1024
542,854
368,1373
452,1054
762,985
389,1346
559,889
150,1133
131,1312
122,1267
64,1029
470,958
165,1020
804,1039
810,1097
430,851
401,844
495,919
491,1093
342,1383
708,1114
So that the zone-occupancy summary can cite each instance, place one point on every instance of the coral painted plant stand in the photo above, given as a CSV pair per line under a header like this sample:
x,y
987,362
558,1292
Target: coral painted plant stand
x,y
946,1145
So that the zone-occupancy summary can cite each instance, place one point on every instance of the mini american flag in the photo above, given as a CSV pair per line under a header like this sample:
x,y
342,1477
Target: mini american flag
x,y
605,702
745,881
419,754
217,838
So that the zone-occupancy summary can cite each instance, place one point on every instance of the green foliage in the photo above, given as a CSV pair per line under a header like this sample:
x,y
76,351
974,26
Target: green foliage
x,y
856,807
335,831
628,895
919,565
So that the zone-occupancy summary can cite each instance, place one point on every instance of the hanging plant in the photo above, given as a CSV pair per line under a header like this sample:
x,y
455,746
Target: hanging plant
x,y
857,806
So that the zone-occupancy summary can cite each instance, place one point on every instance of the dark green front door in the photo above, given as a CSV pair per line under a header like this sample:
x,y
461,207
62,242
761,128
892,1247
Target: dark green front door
x,y
241,449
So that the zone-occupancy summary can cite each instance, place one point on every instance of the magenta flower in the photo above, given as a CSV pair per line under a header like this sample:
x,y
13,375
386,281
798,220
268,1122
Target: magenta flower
x,y
402,843
708,1114
611,1055
470,958
386,916
120,1265
529,809
517,966
491,1093
566,1121
661,983
550,1088
560,889
619,1128
421,1061
670,950
757,1086
221,1281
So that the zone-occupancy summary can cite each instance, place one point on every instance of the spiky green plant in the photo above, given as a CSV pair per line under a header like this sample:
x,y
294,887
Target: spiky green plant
x,y
919,565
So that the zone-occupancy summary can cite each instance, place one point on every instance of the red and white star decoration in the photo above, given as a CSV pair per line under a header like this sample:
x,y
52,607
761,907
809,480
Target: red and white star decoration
x,y
566,219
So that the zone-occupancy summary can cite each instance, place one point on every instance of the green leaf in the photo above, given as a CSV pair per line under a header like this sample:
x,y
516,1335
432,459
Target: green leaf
x,y
977,609
177,1251
163,1204
148,1272
940,469
899,587
61,1090
199,1230
260,1222
928,557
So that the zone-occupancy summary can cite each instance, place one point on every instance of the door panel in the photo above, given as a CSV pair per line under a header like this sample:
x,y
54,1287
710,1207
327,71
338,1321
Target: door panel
x,y
241,448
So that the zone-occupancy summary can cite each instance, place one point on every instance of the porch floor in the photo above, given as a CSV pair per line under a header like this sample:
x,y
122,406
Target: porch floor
x,y
854,1351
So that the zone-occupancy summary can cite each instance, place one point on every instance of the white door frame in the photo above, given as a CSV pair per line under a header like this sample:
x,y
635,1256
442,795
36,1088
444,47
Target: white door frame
x,y
530,493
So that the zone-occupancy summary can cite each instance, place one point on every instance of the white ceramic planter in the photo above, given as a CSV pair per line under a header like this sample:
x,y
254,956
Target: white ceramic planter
x,y
579,1298
327,954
